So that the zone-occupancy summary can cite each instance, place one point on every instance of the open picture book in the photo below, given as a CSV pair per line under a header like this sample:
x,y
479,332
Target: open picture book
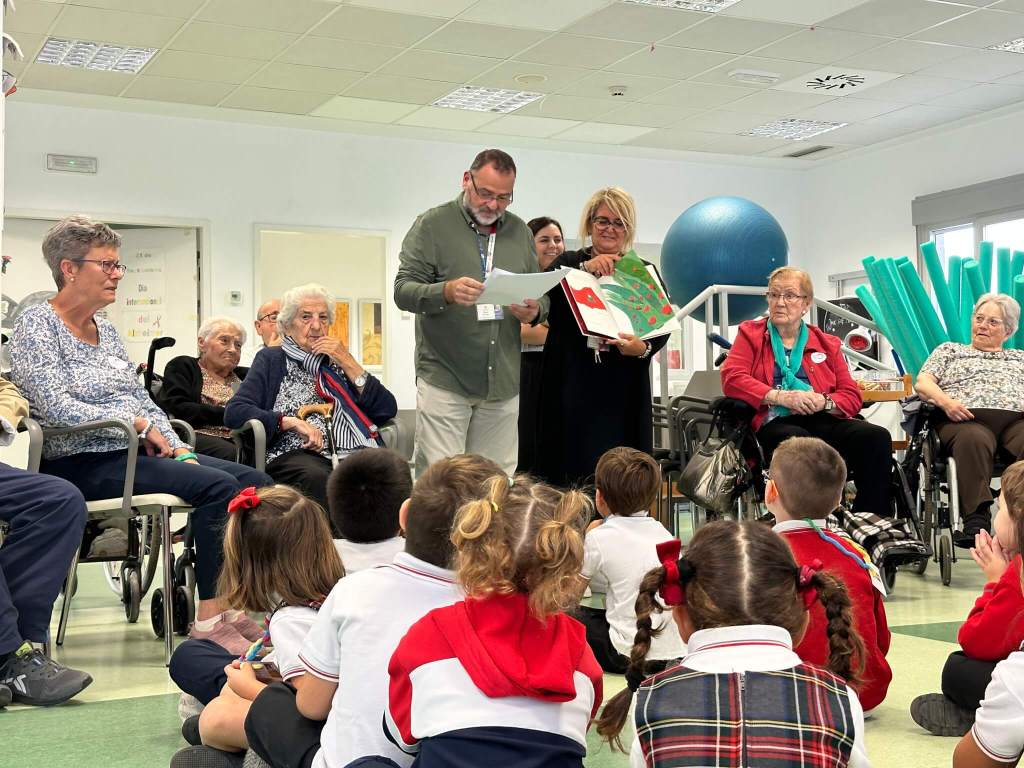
x,y
633,300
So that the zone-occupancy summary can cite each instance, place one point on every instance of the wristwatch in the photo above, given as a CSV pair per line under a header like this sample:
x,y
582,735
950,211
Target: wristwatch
x,y
829,404
361,379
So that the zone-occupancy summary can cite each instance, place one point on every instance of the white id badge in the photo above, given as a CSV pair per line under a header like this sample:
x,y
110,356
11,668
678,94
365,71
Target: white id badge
x,y
116,362
489,312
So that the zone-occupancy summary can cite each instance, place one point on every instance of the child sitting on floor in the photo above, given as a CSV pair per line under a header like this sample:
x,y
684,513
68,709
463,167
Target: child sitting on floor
x,y
278,558
740,695
995,626
616,555
807,479
365,493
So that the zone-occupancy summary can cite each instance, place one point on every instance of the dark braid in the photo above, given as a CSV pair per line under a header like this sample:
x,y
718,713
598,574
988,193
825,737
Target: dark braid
x,y
845,646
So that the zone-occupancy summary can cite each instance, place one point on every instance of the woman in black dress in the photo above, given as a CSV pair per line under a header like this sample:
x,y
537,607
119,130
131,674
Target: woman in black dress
x,y
596,395
547,239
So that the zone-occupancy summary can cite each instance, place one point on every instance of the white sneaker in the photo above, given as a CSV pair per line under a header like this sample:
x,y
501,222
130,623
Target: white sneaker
x,y
188,705
110,543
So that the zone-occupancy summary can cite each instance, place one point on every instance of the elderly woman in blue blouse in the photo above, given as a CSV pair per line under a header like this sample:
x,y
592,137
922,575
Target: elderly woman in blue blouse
x,y
309,368
73,367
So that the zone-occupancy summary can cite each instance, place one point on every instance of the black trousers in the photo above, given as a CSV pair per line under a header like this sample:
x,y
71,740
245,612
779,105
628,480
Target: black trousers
x,y
964,680
305,471
218,447
865,447
197,667
595,621
278,733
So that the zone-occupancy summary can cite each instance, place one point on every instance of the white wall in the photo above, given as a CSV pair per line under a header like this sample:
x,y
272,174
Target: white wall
x,y
235,175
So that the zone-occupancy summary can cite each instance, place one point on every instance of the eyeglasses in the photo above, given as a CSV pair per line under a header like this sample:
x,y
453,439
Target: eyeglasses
x,y
988,322
787,298
603,222
108,267
489,197
271,316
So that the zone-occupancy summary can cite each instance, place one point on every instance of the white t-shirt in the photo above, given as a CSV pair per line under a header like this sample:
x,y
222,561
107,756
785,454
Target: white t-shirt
x,y
288,629
997,722
351,643
617,554
358,557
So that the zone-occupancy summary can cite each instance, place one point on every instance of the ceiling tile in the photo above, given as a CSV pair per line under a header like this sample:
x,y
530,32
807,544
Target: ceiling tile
x,y
31,16
983,96
77,80
919,116
274,100
749,145
115,26
657,115
339,54
452,119
787,70
636,23
849,110
668,61
915,89
535,14
599,86
1017,79
372,26
298,77
30,45
293,16
894,17
204,37
723,121
574,51
366,110
978,29
178,90
863,134
481,39
569,107
729,35
179,9
430,65
979,66
791,11
777,103
675,138
1003,5
821,45
202,66
410,90
691,94
603,133
523,125
446,9
903,56
553,78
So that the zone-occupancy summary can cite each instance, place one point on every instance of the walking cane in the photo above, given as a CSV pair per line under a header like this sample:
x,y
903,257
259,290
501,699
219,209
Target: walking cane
x,y
327,411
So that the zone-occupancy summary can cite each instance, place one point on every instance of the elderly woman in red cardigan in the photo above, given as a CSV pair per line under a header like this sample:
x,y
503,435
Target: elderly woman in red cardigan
x,y
798,380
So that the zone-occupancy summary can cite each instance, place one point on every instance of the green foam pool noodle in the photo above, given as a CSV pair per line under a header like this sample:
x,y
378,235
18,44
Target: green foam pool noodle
x,y
985,262
955,267
904,314
1018,294
1003,271
1016,264
966,302
878,315
905,335
947,298
928,320
880,309
974,279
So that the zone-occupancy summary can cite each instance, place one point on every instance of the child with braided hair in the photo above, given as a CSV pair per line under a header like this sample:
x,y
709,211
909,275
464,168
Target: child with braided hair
x,y
504,677
740,695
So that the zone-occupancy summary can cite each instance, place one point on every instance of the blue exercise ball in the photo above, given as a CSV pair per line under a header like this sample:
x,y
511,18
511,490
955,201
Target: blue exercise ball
x,y
724,241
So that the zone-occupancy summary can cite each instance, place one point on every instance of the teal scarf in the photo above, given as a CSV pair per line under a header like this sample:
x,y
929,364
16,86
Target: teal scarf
x,y
789,364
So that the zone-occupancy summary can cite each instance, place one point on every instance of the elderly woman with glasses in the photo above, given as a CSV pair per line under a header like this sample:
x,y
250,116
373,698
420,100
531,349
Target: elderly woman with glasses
x,y
979,388
596,395
796,377
72,366
310,368
196,389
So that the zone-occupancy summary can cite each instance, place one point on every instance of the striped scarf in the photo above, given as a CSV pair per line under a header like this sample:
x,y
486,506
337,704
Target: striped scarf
x,y
350,427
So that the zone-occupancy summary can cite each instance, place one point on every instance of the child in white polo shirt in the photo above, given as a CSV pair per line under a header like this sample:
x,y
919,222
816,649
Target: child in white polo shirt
x,y
616,555
346,652
996,737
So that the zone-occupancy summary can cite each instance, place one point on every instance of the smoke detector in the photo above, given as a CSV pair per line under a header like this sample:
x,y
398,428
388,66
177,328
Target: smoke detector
x,y
754,77
617,91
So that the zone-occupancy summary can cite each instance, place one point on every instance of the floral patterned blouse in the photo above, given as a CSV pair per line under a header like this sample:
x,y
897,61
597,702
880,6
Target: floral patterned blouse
x,y
979,379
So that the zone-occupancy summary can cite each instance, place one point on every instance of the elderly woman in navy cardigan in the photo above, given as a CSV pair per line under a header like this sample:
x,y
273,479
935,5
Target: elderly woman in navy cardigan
x,y
309,367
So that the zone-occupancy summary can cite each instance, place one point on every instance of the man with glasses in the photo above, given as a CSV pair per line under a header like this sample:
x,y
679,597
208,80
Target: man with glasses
x,y
467,354
266,329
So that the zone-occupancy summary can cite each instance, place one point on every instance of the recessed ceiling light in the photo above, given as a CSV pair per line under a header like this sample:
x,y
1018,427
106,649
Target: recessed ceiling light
x,y
1013,46
479,99
705,6
85,54
755,76
792,128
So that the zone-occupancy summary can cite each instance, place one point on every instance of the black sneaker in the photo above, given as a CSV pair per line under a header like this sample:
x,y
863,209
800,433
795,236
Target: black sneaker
x,y
5,695
206,757
38,680
940,716
190,731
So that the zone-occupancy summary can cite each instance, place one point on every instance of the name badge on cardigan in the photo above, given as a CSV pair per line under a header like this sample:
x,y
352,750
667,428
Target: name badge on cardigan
x,y
489,312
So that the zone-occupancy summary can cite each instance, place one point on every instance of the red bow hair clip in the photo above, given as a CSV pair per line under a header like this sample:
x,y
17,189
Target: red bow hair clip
x,y
804,582
247,498
678,571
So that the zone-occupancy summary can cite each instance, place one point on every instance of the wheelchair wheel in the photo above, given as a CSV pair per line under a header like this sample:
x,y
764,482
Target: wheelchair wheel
x,y
888,573
184,610
156,612
150,554
921,566
131,593
946,557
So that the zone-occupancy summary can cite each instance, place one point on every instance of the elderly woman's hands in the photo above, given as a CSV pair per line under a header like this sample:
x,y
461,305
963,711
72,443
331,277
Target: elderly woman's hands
x,y
802,402
312,438
955,410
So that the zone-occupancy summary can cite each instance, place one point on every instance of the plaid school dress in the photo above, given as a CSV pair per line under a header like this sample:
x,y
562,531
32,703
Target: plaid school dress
x,y
773,719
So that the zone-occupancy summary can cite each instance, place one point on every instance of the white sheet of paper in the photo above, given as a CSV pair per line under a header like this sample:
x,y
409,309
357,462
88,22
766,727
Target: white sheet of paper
x,y
504,288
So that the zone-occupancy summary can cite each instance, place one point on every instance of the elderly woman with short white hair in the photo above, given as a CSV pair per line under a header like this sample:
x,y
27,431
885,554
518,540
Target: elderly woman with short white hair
x,y
196,389
979,388
310,367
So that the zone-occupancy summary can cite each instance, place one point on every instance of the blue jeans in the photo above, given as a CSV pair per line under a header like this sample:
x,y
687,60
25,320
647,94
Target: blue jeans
x,y
46,516
208,487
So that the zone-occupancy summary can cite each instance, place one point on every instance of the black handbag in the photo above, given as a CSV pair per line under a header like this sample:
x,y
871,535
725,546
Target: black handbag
x,y
717,473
